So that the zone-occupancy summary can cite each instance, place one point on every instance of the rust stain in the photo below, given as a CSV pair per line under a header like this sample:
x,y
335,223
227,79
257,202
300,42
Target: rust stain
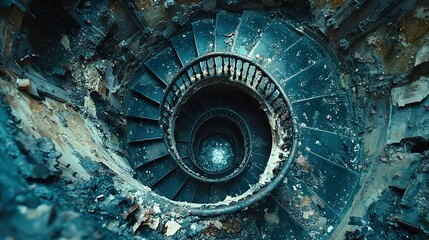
x,y
155,14
334,4
15,19
305,201
144,4
414,29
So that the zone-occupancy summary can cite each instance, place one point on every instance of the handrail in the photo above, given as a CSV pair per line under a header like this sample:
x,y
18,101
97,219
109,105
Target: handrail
x,y
235,68
241,70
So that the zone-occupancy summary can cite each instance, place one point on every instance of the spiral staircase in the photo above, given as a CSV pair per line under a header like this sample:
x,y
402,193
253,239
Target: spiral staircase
x,y
218,117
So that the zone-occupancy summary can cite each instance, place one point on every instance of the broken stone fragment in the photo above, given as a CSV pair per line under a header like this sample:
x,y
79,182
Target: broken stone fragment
x,y
422,55
412,93
23,83
145,216
65,41
132,209
272,218
357,221
34,221
42,157
171,228
169,3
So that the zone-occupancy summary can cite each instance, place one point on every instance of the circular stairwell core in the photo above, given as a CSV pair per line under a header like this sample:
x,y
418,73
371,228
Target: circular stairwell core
x,y
222,134
215,153
228,136
215,129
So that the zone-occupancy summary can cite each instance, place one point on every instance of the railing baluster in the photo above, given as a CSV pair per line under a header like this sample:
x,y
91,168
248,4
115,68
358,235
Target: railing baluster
x,y
273,96
223,65
207,67
194,74
259,81
247,72
184,84
214,65
241,71
229,66
235,69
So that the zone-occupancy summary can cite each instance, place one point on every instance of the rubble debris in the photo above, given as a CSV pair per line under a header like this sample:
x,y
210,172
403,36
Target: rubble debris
x,y
65,42
144,216
132,209
171,227
232,225
43,209
37,86
42,157
272,218
59,71
23,83
381,224
412,93
357,221
414,126
422,55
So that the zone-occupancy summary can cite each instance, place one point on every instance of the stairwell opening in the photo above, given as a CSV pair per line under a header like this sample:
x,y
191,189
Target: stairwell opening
x,y
222,136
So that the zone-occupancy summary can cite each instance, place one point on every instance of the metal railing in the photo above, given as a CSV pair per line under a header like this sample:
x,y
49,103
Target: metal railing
x,y
236,69
229,67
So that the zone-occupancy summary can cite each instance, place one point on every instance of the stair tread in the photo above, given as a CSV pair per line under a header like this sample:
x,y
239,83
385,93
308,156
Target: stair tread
x,y
251,174
183,149
184,44
259,161
153,172
333,183
185,120
274,39
284,191
253,232
218,192
187,193
233,188
143,130
171,184
164,64
204,35
181,135
318,79
325,113
141,107
336,148
277,231
226,27
194,111
257,126
202,194
150,90
145,152
293,58
252,25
